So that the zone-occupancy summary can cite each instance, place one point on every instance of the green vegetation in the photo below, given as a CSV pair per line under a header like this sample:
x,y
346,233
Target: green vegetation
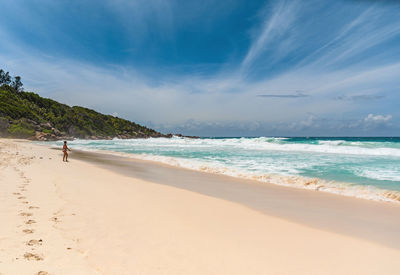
x,y
27,115
13,82
21,130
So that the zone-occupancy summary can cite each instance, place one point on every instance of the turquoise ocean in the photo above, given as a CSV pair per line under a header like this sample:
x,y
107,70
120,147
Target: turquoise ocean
x,y
361,167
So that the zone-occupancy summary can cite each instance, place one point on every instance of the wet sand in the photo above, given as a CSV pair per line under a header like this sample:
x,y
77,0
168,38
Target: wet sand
x,y
370,220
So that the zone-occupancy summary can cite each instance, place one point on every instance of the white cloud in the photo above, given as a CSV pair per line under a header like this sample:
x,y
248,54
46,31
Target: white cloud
x,y
371,118
224,99
227,99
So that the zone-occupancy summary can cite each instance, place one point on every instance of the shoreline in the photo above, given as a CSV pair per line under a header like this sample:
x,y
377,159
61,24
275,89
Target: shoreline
x,y
358,217
342,188
113,215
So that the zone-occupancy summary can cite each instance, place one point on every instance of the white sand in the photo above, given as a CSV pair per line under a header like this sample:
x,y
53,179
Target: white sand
x,y
94,221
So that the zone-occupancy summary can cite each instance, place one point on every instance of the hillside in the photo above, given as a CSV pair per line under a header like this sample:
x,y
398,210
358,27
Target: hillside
x,y
27,115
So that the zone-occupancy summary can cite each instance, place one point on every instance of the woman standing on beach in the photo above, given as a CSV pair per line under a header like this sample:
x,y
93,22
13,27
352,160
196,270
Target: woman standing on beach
x,y
65,151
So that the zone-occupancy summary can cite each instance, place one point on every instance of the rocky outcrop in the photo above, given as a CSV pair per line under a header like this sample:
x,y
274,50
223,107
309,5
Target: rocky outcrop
x,y
179,135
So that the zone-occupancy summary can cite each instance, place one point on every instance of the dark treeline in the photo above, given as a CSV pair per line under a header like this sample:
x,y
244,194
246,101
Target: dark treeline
x,y
13,82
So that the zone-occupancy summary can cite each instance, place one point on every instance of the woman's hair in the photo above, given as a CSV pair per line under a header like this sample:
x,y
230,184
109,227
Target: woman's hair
x,y
65,141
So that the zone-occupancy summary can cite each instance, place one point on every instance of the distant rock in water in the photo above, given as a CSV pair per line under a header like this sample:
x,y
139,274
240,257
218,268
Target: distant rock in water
x,y
180,135
27,115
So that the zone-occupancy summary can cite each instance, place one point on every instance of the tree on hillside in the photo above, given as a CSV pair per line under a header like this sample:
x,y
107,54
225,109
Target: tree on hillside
x,y
5,78
13,82
17,84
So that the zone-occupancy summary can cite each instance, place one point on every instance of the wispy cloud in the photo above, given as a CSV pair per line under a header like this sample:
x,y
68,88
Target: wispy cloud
x,y
275,25
360,97
326,48
370,29
298,94
340,77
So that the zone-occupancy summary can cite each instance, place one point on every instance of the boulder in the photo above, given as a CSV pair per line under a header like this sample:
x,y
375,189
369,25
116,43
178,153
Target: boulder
x,y
46,125
56,131
44,136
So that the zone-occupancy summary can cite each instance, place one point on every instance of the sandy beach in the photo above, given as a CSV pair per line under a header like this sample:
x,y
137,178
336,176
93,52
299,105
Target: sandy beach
x,y
101,214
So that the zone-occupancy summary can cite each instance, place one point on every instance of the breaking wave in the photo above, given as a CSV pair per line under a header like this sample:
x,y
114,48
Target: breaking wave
x,y
362,168
340,188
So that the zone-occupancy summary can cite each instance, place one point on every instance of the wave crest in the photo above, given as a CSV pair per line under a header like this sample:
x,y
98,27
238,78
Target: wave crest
x,y
316,184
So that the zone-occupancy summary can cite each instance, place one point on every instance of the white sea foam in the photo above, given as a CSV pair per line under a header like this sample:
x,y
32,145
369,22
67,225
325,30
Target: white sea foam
x,y
254,158
332,142
267,144
339,188
381,174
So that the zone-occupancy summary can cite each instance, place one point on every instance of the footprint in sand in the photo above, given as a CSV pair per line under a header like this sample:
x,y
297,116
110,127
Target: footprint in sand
x,y
17,194
25,202
34,242
28,231
26,214
43,273
30,222
33,207
21,198
31,256
55,219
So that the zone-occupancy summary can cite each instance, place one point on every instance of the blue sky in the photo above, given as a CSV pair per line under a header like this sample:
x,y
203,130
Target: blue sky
x,y
215,68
